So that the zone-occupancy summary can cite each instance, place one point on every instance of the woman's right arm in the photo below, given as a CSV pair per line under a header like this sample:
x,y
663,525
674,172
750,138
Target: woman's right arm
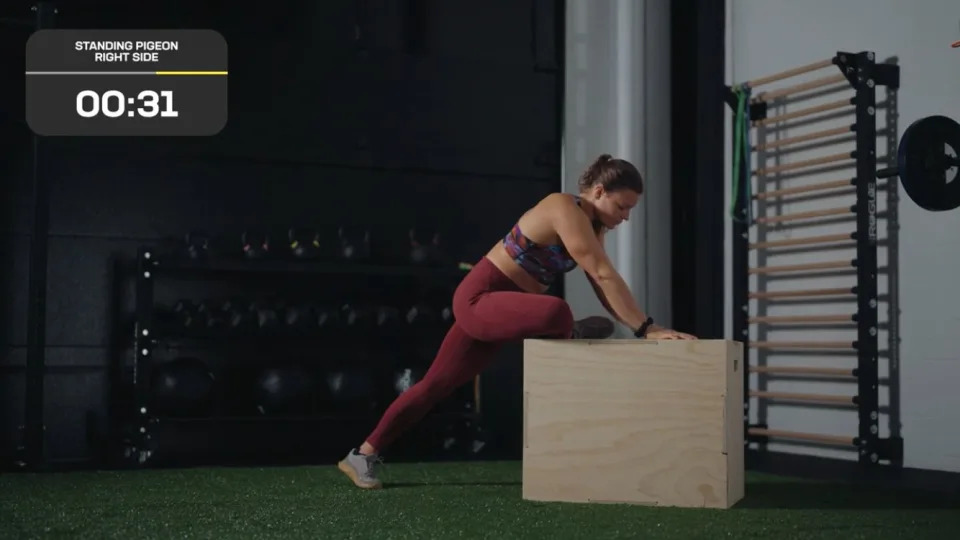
x,y
577,235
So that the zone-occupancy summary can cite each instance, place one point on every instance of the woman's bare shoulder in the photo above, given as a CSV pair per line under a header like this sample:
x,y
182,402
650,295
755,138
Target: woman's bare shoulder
x,y
558,202
540,221
556,206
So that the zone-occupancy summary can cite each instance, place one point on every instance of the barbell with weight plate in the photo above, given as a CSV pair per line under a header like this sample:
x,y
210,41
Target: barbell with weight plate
x,y
925,167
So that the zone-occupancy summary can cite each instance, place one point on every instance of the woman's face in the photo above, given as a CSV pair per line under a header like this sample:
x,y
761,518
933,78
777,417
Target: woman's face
x,y
613,207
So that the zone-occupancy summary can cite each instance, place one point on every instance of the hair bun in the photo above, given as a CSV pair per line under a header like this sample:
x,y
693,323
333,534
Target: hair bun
x,y
612,174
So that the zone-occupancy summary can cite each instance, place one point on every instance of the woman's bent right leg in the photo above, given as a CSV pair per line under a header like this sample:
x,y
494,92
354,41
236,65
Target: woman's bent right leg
x,y
491,307
511,315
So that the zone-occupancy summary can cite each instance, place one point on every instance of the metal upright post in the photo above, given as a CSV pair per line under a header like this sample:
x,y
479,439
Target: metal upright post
x,y
33,445
144,340
865,75
866,239
741,286
893,276
740,301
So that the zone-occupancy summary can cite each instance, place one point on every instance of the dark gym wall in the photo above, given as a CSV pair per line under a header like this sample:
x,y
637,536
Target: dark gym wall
x,y
449,109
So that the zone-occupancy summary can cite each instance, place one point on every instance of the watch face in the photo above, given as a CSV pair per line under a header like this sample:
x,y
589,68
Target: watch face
x,y
126,82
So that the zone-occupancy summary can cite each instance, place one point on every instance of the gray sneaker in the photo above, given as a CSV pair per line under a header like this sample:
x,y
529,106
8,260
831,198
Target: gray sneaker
x,y
361,469
593,327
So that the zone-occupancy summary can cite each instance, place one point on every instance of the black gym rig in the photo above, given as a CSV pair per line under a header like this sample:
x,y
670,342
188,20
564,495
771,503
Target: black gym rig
x,y
922,165
304,371
864,75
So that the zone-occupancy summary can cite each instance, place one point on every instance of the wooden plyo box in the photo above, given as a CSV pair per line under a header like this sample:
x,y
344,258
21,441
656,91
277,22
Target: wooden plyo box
x,y
656,423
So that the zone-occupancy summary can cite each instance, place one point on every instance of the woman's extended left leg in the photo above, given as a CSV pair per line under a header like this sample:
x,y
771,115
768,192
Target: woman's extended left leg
x,y
459,359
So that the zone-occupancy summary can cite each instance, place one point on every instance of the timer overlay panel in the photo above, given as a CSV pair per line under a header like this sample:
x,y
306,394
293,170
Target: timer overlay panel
x,y
200,103
196,50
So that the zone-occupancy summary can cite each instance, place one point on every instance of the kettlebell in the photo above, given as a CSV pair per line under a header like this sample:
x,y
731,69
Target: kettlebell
x,y
240,319
424,249
255,245
300,318
304,243
265,315
388,317
354,316
197,244
187,315
421,315
327,317
354,243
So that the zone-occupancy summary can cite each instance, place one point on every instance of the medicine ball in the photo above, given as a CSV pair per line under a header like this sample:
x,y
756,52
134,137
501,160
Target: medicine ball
x,y
283,389
352,389
181,387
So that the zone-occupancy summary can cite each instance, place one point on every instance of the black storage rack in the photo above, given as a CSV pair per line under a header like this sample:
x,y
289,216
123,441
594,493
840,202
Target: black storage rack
x,y
139,424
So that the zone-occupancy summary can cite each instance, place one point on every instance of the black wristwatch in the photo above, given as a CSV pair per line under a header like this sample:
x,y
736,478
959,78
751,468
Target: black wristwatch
x,y
642,331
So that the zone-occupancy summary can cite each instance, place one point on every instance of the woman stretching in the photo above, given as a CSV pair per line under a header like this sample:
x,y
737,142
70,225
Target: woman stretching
x,y
501,299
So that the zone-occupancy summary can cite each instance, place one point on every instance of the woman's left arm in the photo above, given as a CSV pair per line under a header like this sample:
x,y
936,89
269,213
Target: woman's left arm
x,y
654,329
597,290
602,298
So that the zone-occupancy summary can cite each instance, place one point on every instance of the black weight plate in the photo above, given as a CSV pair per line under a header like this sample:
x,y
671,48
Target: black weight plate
x,y
923,162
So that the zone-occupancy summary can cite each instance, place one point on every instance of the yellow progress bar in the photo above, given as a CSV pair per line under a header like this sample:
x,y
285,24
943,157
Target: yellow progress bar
x,y
191,73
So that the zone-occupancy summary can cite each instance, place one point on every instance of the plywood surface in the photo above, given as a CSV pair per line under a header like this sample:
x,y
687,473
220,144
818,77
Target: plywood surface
x,y
629,421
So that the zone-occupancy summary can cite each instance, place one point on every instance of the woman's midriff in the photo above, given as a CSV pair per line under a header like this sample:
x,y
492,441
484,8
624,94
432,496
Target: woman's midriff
x,y
501,259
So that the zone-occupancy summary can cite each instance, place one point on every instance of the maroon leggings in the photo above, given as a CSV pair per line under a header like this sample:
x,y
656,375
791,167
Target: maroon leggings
x,y
489,310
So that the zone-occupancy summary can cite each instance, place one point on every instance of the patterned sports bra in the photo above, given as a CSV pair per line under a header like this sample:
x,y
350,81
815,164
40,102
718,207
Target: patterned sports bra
x,y
544,262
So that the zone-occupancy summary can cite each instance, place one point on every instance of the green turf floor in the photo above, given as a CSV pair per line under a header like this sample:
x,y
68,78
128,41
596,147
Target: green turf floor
x,y
437,500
